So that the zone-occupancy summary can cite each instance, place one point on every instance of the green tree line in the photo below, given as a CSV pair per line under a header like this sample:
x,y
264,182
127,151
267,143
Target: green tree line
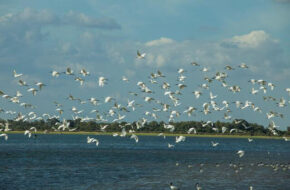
x,y
242,127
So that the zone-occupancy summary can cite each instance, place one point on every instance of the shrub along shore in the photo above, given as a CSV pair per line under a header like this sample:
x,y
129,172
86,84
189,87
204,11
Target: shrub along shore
x,y
238,128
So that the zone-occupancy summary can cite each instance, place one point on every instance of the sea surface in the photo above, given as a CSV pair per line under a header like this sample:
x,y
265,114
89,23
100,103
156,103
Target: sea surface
x,y
67,162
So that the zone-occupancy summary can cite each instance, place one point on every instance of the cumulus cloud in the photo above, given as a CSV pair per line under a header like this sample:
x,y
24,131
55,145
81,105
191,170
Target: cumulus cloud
x,y
29,16
255,48
158,42
251,40
83,20
43,17
283,1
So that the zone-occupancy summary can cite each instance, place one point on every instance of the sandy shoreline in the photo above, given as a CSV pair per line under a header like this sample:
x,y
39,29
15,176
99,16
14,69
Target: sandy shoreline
x,y
150,134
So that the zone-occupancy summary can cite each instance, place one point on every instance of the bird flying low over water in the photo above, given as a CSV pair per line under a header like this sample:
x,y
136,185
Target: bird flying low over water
x,y
4,135
214,144
92,140
241,153
159,99
180,139
198,187
173,187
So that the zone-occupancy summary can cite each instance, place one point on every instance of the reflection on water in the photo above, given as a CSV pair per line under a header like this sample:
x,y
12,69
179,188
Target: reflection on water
x,y
67,162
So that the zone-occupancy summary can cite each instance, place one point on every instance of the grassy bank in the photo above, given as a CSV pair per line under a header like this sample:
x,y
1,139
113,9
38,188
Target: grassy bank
x,y
152,134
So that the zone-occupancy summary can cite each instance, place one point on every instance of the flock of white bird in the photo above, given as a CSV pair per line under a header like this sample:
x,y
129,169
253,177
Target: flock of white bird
x,y
171,107
117,109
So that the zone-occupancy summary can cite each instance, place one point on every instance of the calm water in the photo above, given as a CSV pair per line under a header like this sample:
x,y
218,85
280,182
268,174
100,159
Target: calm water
x,y
68,162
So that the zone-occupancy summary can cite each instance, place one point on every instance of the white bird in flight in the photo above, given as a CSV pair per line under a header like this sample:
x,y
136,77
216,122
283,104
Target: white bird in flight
x,y
16,75
241,153
4,135
92,140
214,144
173,187
180,139
140,55
102,81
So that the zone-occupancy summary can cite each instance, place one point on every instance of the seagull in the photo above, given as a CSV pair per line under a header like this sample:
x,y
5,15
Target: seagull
x,y
250,140
170,127
79,79
206,108
241,153
55,74
180,71
190,110
253,91
140,56
33,90
197,94
179,139
191,129
232,130
181,86
119,118
271,85
207,123
148,99
22,83
16,75
198,187
224,129
205,69
243,65
282,102
235,88
18,94
92,140
69,71
173,187
181,78
40,85
102,81
7,127
170,145
125,79
4,135
108,99
84,72
288,90
229,67
214,144
27,132
159,74
194,64
135,137
212,96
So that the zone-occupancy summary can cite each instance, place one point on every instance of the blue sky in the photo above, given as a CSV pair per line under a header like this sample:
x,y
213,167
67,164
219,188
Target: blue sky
x,y
37,37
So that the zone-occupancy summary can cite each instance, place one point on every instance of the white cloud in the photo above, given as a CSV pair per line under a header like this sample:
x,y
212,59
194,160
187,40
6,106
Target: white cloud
x,y
255,48
43,17
283,1
130,73
158,42
160,60
252,40
81,19
150,59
